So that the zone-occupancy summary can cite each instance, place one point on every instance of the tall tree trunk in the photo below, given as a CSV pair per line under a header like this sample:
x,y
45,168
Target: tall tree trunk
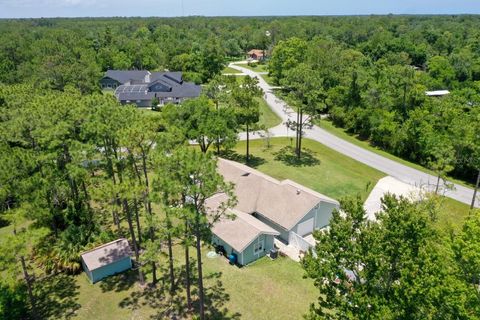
x,y
31,297
475,191
187,268
146,199
116,220
200,270
297,130
170,254
438,184
134,240
86,195
248,144
300,135
218,138
137,220
170,263
111,172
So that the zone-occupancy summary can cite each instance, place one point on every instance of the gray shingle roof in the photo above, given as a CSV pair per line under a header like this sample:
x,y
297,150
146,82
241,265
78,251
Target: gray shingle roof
x,y
241,231
283,202
187,90
124,76
134,87
106,254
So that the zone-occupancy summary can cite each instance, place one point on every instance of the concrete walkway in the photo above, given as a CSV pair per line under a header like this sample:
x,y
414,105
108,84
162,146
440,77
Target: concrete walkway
x,y
288,250
392,168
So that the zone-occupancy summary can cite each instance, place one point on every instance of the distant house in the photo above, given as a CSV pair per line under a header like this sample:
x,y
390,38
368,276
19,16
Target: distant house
x,y
268,208
106,260
140,87
256,54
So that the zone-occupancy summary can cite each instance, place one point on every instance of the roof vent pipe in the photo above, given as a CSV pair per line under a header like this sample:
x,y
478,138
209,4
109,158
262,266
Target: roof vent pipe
x,y
298,191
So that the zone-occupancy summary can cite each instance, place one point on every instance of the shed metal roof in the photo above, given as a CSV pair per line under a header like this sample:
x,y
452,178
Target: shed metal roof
x,y
106,254
437,93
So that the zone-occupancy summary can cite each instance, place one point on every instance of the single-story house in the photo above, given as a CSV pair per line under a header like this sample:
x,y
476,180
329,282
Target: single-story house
x,y
106,260
246,237
292,210
256,54
140,87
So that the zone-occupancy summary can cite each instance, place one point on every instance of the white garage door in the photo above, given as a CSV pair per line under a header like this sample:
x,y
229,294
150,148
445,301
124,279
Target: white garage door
x,y
305,227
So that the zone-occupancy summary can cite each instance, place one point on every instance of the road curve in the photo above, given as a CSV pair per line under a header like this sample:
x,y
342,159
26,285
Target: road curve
x,y
392,168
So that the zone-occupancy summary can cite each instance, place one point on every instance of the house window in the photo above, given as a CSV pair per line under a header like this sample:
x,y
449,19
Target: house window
x,y
258,247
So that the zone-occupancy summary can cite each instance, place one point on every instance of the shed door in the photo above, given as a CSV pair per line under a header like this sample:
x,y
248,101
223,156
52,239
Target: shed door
x,y
305,227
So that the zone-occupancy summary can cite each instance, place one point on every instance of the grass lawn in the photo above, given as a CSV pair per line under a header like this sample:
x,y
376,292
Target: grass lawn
x,y
258,68
110,92
268,79
341,133
268,118
452,214
7,229
265,289
325,170
337,176
230,70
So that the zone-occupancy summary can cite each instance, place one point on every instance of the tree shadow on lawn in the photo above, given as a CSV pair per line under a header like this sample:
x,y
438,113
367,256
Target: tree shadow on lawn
x,y
254,161
120,282
57,297
167,306
288,157
159,298
215,299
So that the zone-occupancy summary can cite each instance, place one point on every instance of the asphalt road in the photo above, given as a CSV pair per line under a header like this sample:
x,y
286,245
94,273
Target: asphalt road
x,y
388,166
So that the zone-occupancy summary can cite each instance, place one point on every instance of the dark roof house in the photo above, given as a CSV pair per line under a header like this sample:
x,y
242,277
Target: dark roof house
x,y
140,86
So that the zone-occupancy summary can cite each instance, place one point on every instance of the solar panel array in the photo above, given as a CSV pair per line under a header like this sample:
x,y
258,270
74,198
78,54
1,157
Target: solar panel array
x,y
136,88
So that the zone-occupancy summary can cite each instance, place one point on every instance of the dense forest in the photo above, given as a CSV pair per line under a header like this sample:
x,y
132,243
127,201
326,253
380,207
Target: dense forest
x,y
371,72
78,170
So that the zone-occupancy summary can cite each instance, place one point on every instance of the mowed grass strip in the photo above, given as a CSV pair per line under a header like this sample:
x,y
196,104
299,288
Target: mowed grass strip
x,y
265,289
229,70
354,139
268,118
240,293
337,175
257,67
333,174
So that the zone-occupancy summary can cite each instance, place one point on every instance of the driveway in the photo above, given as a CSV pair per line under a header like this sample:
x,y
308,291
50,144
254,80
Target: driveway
x,y
390,167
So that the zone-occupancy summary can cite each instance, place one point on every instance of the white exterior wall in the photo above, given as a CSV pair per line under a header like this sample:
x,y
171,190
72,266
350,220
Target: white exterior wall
x,y
322,213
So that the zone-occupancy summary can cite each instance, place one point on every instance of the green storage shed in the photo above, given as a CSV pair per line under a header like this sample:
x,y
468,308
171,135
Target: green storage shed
x,y
106,260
